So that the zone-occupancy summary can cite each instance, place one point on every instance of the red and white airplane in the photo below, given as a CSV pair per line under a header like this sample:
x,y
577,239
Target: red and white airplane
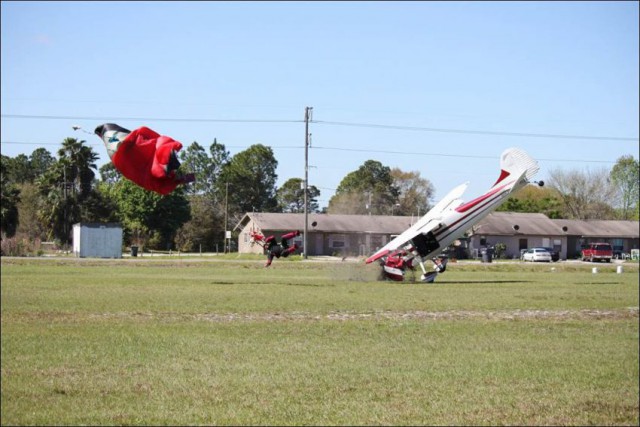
x,y
450,218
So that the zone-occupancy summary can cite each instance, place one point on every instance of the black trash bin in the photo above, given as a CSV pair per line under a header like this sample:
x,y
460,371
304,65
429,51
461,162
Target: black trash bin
x,y
134,251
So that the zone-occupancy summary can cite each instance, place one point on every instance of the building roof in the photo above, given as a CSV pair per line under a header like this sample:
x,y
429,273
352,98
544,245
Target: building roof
x,y
329,223
599,228
512,223
496,224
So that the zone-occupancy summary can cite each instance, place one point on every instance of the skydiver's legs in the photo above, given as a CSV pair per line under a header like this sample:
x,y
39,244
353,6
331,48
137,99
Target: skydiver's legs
x,y
269,259
275,251
286,252
290,235
285,237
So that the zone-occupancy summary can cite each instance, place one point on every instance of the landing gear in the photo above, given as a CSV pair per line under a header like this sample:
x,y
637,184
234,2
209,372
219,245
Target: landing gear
x,y
396,263
439,266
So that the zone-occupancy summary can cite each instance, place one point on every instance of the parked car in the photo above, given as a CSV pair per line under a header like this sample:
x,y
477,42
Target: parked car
x,y
597,252
537,254
555,255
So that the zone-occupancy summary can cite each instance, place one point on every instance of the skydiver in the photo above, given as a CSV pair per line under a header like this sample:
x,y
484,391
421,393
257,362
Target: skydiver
x,y
273,248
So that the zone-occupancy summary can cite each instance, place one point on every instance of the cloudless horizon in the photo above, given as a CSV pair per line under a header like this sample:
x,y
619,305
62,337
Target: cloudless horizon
x,y
441,88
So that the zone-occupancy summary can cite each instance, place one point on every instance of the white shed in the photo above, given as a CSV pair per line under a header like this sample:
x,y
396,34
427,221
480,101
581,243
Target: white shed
x,y
97,240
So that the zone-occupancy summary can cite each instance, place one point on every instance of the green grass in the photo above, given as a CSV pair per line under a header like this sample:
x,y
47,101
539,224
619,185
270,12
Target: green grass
x,y
204,342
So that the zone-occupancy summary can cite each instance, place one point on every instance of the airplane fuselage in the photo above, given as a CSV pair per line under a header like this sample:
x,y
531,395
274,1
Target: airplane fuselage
x,y
456,221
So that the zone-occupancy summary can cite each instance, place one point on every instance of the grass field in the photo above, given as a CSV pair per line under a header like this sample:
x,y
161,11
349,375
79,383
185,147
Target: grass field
x,y
227,342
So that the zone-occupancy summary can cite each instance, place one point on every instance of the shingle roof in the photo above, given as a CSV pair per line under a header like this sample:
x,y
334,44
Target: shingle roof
x,y
496,223
600,228
503,223
330,223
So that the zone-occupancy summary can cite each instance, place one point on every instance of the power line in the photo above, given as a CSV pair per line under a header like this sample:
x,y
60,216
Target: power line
x,y
477,132
468,156
100,144
331,123
362,150
154,119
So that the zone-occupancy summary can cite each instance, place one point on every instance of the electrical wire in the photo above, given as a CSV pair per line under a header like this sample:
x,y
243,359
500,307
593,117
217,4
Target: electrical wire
x,y
333,123
467,156
477,132
336,123
147,119
361,150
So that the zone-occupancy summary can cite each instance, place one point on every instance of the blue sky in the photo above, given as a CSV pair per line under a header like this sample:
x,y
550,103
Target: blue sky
x,y
434,87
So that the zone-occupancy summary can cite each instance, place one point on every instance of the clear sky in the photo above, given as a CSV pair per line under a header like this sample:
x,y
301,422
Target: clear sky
x,y
441,88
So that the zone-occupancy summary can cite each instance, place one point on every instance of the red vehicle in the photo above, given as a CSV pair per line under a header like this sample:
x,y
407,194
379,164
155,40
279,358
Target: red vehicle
x,y
597,252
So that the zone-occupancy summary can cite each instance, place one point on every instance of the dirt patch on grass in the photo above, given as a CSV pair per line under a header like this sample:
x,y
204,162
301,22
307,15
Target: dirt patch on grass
x,y
514,315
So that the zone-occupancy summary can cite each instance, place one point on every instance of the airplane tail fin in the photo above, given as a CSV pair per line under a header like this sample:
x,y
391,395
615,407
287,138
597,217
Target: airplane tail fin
x,y
515,163
516,170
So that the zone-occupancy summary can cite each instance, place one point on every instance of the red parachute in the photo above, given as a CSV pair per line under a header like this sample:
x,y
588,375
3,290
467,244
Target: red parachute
x,y
144,157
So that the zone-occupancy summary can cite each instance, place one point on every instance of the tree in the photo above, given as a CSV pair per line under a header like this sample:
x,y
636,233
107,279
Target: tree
x,y
534,199
195,160
415,193
17,169
625,176
205,229
78,162
66,187
148,218
207,199
368,190
584,195
291,196
39,162
10,197
30,204
251,177
206,168
109,174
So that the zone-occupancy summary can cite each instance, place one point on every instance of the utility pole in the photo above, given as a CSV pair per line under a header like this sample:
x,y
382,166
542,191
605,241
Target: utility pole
x,y
66,229
226,219
307,118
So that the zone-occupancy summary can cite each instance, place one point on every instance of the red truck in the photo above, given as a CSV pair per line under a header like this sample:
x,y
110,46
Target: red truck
x,y
597,252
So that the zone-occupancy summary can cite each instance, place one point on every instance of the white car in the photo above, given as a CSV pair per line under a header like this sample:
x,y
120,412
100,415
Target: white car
x,y
537,254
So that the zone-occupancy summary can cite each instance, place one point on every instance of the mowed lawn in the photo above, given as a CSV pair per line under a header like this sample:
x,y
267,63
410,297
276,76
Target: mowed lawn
x,y
227,342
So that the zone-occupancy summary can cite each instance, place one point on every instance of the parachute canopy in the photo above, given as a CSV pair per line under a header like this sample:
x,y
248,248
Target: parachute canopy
x,y
143,156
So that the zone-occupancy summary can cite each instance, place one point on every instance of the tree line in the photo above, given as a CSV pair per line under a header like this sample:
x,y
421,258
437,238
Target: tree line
x,y
44,195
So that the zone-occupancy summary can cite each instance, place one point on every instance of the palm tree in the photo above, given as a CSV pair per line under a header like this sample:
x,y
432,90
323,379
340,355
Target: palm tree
x,y
79,160
66,185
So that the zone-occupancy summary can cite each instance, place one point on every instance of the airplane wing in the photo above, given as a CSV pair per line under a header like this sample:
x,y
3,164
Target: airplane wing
x,y
427,223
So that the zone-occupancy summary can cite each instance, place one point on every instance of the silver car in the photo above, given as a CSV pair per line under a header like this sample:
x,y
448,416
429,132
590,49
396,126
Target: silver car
x,y
537,254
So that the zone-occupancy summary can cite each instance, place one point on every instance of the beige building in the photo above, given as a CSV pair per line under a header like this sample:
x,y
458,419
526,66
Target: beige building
x,y
362,235
527,230
337,235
